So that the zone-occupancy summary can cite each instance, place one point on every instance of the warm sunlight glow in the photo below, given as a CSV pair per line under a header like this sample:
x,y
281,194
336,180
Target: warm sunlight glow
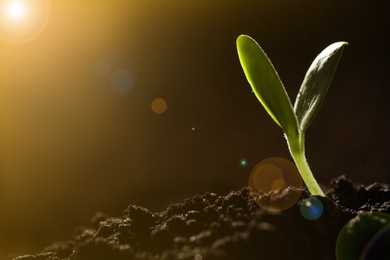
x,y
22,20
15,10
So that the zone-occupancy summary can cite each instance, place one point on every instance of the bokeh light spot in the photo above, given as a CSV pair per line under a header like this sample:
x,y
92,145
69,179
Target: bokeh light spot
x,y
159,106
103,68
198,257
121,80
365,237
243,162
114,75
275,184
193,129
311,208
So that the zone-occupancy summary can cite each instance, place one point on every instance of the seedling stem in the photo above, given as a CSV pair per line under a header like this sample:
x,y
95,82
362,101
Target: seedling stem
x,y
297,149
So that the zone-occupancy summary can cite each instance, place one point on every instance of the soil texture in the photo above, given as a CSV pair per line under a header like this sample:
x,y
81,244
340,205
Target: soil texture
x,y
231,227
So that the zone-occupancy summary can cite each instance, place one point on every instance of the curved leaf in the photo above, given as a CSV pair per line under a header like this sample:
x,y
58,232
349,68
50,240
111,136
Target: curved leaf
x,y
266,83
316,83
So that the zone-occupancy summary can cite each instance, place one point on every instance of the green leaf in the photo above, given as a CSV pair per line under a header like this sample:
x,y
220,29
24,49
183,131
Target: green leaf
x,y
266,83
316,83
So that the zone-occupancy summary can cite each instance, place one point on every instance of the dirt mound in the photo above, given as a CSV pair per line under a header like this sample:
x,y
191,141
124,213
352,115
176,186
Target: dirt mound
x,y
232,227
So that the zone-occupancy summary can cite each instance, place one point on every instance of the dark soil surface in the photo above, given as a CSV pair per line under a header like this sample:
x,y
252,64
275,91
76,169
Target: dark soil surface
x,y
232,227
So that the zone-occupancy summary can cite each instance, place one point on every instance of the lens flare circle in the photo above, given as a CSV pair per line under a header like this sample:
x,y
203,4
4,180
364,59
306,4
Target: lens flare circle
x,y
121,80
278,184
275,184
103,68
265,175
311,208
114,75
159,105
365,237
22,20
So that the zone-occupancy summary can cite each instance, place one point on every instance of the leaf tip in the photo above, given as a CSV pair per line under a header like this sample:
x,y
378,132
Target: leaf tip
x,y
339,45
242,39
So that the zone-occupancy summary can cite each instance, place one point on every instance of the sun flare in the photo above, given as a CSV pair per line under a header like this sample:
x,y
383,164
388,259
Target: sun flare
x,y
22,20
15,10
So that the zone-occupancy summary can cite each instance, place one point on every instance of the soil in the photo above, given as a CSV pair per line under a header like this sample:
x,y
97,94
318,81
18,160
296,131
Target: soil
x,y
231,227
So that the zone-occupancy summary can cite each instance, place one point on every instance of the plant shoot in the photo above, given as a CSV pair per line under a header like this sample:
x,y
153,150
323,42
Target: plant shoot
x,y
269,89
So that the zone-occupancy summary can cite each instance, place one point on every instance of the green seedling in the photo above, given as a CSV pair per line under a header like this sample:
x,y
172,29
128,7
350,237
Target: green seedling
x,y
271,93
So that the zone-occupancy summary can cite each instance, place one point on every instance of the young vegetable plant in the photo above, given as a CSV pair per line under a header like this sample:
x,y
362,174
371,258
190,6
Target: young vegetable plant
x,y
271,93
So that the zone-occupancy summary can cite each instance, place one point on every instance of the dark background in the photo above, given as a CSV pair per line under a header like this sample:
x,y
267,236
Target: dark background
x,y
68,151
